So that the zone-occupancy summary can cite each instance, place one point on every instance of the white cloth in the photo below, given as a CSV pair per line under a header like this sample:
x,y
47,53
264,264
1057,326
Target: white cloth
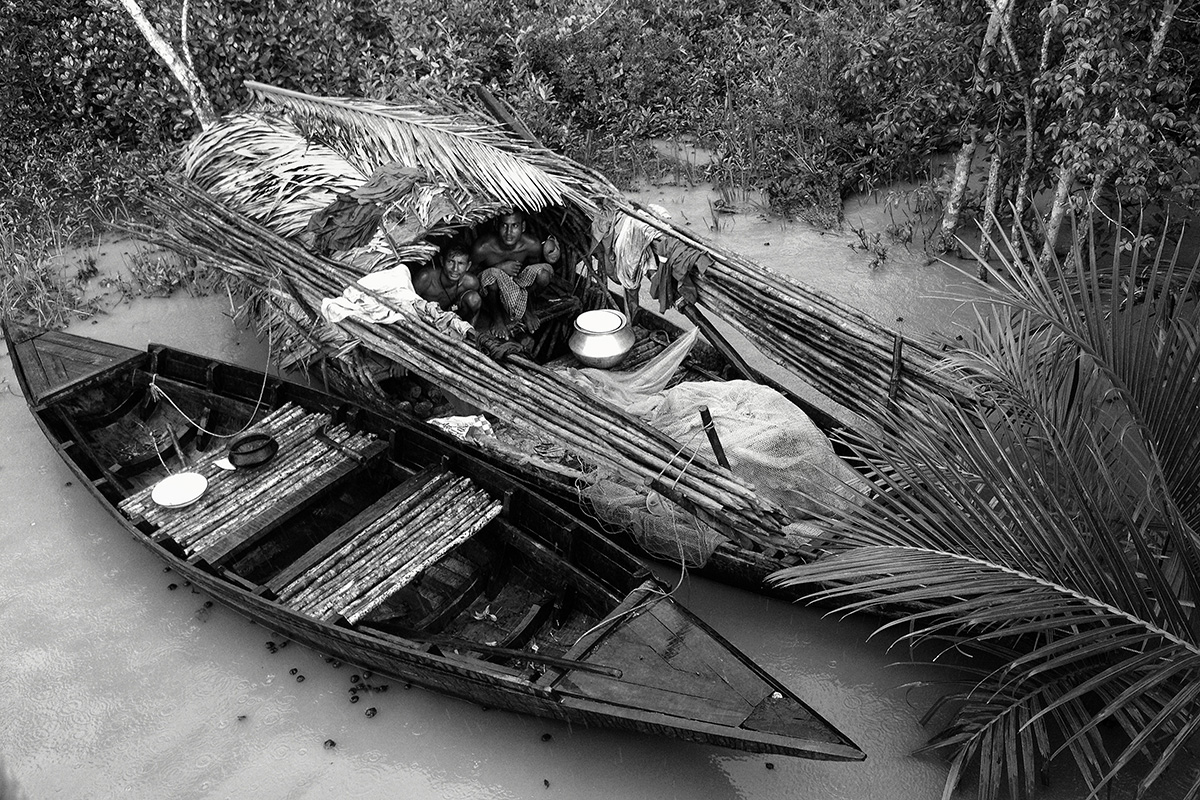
x,y
396,288
465,428
632,250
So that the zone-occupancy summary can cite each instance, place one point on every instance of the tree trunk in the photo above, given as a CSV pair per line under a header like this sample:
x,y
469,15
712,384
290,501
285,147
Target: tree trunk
x,y
1021,190
991,204
1066,179
962,164
1160,36
183,72
958,190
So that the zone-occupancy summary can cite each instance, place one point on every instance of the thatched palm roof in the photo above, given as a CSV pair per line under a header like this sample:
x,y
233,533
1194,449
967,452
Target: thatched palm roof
x,y
291,154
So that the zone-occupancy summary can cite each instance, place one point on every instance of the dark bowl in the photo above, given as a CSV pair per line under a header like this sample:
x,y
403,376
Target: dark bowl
x,y
252,450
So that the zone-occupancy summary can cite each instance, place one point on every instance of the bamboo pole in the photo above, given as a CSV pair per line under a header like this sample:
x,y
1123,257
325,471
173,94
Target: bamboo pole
x,y
338,581
369,602
394,566
436,352
333,560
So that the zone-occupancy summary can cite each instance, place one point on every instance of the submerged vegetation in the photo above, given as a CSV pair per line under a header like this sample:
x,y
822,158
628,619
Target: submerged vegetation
x,y
1050,531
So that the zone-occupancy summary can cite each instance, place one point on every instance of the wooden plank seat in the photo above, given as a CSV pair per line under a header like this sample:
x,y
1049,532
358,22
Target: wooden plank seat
x,y
382,557
241,506
355,526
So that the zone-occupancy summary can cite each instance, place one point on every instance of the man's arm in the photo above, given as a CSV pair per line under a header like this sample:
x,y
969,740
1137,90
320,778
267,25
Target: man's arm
x,y
486,253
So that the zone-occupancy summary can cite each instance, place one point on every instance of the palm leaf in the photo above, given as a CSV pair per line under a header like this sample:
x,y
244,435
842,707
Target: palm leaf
x,y
1148,674
1052,523
466,152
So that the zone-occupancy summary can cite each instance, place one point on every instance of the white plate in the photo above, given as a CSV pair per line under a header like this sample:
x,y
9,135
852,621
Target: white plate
x,y
179,490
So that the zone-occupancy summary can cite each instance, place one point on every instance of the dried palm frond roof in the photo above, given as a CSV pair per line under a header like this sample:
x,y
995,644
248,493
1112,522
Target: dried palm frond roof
x,y
467,151
842,352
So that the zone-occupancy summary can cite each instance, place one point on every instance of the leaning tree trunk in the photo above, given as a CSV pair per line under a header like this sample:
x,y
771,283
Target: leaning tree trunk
x,y
958,189
966,154
182,70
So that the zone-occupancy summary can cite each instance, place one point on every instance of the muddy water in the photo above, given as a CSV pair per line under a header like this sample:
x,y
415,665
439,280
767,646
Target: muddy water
x,y
117,681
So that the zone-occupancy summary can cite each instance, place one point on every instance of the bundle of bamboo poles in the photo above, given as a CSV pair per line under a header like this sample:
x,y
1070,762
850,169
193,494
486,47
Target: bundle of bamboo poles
x,y
521,393
842,352
390,552
233,500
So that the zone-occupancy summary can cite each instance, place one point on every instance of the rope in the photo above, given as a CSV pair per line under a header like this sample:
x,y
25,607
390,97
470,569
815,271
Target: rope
x,y
157,392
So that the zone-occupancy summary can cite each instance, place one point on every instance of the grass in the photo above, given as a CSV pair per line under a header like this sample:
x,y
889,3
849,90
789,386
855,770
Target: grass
x,y
66,189
33,286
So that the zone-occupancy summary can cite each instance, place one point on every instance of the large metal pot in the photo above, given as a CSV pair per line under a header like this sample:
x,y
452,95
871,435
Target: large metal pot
x,y
602,338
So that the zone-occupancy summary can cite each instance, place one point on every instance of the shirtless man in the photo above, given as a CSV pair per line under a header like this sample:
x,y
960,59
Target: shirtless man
x,y
510,249
450,285
512,265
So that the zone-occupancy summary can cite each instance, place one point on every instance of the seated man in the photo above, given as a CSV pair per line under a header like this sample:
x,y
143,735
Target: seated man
x,y
514,263
450,283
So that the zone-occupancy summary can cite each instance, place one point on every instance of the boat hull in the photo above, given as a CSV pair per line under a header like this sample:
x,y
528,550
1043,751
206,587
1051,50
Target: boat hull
x,y
609,677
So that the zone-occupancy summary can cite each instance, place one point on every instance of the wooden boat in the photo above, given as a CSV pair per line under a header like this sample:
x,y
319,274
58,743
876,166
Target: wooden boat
x,y
387,546
233,209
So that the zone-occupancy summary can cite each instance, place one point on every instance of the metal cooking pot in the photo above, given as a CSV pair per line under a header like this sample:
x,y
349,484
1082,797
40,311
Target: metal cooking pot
x,y
602,338
252,450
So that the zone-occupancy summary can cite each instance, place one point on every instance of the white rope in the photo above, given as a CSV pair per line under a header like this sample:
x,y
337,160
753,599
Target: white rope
x,y
157,392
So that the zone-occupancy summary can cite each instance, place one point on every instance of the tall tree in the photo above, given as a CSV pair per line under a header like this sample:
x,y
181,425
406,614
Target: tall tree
x,y
1125,124
966,153
181,68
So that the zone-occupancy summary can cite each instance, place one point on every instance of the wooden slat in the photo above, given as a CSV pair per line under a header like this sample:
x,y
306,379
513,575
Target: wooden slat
x,y
595,592
631,600
55,363
461,600
82,443
524,630
655,645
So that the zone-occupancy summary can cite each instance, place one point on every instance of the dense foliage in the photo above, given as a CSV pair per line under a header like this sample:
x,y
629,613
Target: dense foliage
x,y
809,101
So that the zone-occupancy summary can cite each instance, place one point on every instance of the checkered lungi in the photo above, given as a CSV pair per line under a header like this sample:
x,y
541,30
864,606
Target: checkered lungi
x,y
514,291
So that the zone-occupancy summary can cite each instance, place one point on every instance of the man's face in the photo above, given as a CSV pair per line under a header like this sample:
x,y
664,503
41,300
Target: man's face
x,y
511,228
456,266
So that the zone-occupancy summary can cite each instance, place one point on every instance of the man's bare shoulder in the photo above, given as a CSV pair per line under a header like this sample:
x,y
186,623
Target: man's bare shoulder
x,y
487,245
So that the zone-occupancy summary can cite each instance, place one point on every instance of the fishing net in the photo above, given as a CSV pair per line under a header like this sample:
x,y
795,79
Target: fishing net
x,y
660,527
768,440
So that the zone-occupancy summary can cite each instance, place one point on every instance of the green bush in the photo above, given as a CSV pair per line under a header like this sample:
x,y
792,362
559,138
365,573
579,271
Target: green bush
x,y
90,67
807,103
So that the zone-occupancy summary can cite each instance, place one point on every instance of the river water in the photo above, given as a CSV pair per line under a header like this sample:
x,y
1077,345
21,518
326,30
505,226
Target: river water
x,y
117,681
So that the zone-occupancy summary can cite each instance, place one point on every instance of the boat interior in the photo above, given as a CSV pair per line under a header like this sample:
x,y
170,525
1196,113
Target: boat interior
x,y
340,524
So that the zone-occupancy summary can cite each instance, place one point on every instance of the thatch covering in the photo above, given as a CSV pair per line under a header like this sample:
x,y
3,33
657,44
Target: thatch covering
x,y
253,183
843,353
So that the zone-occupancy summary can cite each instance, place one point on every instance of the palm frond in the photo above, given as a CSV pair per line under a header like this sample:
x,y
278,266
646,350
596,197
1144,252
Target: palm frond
x,y
264,168
1054,521
1147,675
470,154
